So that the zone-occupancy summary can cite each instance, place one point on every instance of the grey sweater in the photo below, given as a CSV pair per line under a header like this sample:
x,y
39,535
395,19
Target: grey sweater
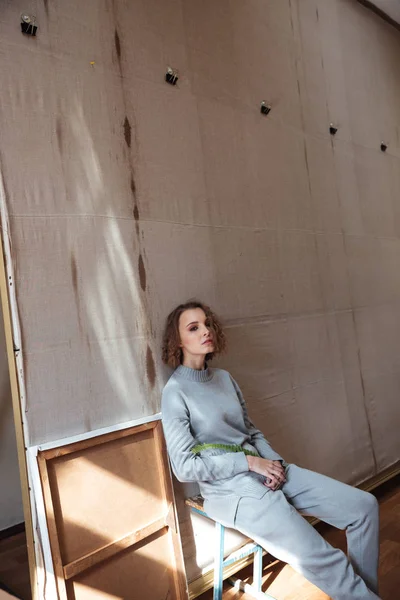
x,y
202,407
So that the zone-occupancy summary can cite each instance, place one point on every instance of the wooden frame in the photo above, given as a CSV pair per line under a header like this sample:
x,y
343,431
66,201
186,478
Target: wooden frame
x,y
162,523
6,281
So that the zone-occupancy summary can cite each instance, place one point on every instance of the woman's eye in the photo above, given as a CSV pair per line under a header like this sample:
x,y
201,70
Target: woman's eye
x,y
194,328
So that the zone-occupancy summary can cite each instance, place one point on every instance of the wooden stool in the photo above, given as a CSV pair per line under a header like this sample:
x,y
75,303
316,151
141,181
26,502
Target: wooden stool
x,y
196,504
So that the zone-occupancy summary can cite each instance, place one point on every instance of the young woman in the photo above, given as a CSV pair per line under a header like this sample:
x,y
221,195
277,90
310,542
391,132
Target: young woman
x,y
245,483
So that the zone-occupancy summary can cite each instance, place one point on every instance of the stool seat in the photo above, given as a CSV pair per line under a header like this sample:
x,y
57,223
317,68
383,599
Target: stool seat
x,y
196,504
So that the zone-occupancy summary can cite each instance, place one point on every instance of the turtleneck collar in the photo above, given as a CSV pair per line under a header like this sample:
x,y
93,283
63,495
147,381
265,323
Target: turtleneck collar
x,y
194,374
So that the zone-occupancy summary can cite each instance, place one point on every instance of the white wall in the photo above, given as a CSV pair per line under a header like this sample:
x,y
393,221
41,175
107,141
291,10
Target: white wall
x,y
11,511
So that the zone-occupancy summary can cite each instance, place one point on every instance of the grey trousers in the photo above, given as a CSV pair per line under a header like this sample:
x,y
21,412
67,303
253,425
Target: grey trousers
x,y
275,522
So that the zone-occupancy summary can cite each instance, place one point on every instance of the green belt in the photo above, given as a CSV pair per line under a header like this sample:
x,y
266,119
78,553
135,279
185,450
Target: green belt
x,y
227,447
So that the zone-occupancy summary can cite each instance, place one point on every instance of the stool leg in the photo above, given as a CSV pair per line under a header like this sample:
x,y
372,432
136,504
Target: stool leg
x,y
257,569
218,561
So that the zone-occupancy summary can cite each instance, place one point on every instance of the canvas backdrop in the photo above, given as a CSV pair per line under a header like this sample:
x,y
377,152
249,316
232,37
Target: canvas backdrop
x,y
127,195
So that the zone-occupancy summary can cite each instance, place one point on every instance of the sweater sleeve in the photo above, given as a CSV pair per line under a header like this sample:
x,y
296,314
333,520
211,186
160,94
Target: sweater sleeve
x,y
257,438
186,465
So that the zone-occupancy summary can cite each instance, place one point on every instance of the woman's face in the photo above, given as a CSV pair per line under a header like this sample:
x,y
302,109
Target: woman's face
x,y
196,337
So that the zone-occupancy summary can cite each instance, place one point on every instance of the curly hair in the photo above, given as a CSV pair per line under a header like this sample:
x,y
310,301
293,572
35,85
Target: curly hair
x,y
172,354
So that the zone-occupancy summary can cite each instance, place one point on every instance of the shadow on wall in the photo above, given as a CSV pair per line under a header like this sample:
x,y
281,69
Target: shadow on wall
x,y
93,353
110,291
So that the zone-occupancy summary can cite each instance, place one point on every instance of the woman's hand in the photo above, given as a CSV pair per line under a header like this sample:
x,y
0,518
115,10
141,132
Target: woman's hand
x,y
271,469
